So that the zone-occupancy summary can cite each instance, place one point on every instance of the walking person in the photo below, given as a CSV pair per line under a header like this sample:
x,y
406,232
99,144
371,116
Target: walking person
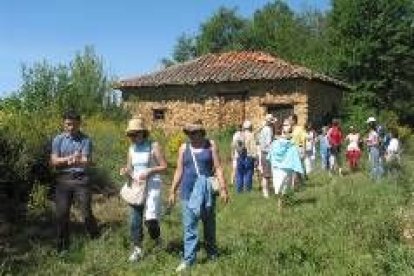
x,y
145,160
71,156
310,142
335,138
285,160
324,148
353,152
299,139
265,138
237,137
393,153
198,160
246,152
373,143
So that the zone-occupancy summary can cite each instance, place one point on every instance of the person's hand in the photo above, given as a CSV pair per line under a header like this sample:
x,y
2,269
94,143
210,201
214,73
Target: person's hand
x,y
172,198
71,160
144,175
77,156
224,195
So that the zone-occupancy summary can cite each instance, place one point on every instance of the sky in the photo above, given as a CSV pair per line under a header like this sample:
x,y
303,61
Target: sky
x,y
132,36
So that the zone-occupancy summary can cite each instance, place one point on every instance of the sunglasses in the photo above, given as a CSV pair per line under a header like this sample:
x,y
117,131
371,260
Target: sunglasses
x,y
134,134
193,133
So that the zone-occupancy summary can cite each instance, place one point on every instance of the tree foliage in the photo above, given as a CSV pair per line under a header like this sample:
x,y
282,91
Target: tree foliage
x,y
374,46
82,85
222,32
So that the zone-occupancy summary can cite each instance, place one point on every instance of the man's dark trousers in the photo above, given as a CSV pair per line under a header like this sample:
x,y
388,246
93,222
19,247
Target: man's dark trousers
x,y
68,186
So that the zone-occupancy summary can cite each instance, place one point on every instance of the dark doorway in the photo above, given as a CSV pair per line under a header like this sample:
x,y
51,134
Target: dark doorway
x,y
280,111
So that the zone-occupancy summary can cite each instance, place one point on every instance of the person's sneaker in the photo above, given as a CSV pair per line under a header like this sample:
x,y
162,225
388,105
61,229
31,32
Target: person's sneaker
x,y
181,267
265,193
136,254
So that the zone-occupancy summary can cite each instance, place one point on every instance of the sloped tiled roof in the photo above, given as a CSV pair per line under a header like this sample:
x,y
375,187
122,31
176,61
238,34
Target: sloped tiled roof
x,y
227,67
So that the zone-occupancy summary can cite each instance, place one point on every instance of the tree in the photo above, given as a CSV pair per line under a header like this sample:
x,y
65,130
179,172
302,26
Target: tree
x,y
374,46
185,49
83,84
222,32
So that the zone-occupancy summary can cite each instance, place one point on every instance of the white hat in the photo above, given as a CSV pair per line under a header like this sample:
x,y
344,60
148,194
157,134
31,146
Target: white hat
x,y
370,120
247,124
269,118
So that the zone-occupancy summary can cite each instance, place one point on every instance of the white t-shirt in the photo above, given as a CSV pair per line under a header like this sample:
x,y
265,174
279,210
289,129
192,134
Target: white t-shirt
x,y
394,146
353,141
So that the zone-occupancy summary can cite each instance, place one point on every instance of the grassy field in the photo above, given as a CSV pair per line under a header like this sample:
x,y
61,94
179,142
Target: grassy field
x,y
333,226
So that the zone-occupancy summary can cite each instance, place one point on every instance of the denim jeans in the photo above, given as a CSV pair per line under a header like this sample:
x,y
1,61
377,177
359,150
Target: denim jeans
x,y
137,233
244,173
191,236
325,160
376,164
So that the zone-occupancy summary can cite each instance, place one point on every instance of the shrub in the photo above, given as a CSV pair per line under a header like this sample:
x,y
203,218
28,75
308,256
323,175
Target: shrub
x,y
174,142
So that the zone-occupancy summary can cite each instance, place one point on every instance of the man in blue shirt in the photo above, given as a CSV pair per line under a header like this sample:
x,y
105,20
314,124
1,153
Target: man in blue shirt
x,y
71,156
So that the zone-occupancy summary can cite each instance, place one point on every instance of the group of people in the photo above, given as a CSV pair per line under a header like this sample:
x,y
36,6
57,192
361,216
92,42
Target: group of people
x,y
197,162
283,152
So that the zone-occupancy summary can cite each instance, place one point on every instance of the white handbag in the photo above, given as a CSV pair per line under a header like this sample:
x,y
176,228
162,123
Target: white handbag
x,y
135,192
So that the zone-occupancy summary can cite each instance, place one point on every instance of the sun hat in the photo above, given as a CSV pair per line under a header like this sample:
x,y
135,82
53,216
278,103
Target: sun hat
x,y
136,124
247,124
193,126
371,119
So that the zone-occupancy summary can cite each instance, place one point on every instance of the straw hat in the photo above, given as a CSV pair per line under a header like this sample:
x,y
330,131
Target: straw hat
x,y
269,118
136,124
194,126
247,124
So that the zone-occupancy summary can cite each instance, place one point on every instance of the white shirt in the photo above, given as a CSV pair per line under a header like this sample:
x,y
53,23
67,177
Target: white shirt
x,y
353,141
394,146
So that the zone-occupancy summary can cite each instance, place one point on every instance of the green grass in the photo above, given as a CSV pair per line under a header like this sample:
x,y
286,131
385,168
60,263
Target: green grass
x,y
334,226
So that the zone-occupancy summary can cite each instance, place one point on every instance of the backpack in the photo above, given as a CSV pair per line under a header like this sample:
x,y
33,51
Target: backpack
x,y
335,136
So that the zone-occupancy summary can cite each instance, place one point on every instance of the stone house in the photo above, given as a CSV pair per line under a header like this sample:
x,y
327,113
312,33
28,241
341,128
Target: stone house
x,y
226,89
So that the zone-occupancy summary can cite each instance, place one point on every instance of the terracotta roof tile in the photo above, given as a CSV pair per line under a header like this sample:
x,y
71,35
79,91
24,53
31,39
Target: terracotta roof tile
x,y
227,67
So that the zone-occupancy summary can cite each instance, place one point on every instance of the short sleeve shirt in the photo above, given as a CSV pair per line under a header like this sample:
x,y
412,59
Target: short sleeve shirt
x,y
265,138
64,145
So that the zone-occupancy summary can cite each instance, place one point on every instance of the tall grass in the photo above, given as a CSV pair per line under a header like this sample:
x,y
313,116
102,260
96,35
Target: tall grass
x,y
333,226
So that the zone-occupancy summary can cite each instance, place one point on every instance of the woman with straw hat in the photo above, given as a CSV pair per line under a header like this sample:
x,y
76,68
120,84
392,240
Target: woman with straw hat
x,y
144,163
198,160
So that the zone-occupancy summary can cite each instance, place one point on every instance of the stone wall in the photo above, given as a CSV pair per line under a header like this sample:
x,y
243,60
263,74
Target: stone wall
x,y
224,104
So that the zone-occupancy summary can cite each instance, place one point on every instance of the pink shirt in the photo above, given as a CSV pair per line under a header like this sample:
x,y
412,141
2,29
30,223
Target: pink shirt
x,y
372,138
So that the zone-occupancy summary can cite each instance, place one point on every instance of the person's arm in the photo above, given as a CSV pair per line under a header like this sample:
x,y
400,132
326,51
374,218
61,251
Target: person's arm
x,y
219,172
84,157
127,170
160,157
177,175
55,160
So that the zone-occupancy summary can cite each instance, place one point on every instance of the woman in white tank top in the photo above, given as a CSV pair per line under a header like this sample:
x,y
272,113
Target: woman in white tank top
x,y
144,163
353,152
